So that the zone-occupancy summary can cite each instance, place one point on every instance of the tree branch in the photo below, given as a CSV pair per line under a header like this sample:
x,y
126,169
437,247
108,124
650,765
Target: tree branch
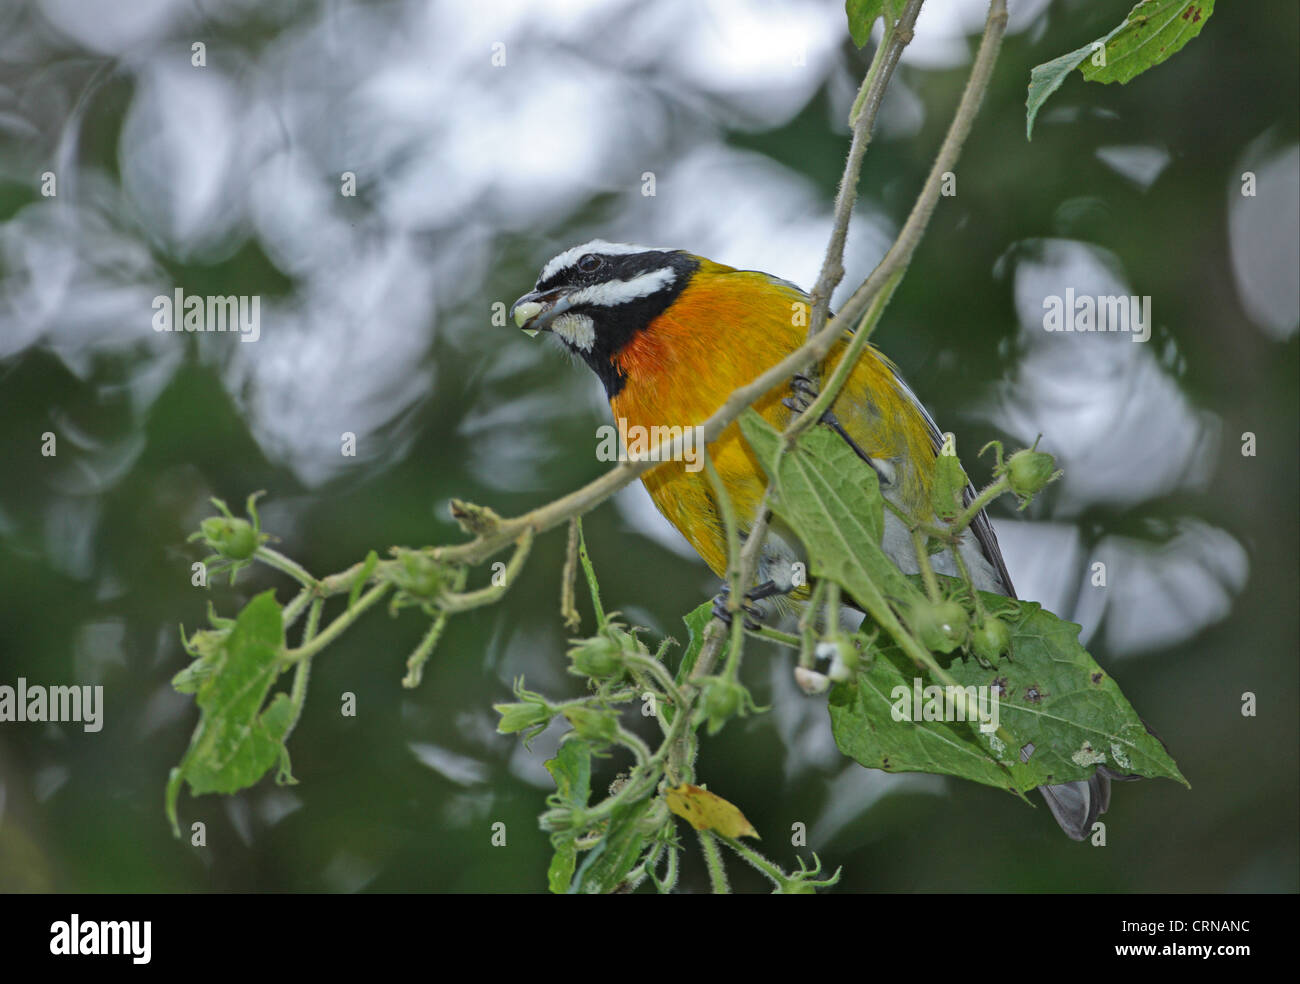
x,y
897,37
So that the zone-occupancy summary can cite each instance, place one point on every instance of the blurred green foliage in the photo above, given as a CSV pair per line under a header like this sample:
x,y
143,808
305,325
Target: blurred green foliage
x,y
84,812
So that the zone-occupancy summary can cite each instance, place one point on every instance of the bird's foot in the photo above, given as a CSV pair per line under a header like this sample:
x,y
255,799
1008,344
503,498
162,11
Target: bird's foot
x,y
752,613
803,393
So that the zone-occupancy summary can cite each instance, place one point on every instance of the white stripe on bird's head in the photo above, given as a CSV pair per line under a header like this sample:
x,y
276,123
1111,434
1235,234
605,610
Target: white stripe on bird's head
x,y
613,292
598,246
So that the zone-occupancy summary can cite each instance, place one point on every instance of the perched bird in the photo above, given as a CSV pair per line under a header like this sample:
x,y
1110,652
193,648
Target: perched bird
x,y
671,335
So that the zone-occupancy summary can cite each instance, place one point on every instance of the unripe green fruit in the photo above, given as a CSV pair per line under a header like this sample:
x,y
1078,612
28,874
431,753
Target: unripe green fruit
x,y
1028,472
991,640
941,626
232,538
722,700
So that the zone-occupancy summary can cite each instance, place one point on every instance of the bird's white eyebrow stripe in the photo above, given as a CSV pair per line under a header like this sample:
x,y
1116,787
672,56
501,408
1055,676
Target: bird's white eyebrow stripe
x,y
570,256
623,291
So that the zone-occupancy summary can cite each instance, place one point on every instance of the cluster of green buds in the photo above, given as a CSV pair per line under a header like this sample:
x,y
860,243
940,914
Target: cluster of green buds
x,y
420,579
947,625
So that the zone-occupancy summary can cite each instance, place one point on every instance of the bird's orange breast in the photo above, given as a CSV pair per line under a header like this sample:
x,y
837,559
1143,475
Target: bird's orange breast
x,y
725,328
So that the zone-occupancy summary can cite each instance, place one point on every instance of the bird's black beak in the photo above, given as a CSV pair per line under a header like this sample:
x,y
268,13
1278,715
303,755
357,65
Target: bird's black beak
x,y
534,311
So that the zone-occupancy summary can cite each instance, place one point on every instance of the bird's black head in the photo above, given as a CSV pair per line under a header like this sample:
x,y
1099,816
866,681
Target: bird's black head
x,y
597,296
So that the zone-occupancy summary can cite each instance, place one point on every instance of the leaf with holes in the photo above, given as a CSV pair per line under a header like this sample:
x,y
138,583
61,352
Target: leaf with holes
x,y
1064,713
1042,713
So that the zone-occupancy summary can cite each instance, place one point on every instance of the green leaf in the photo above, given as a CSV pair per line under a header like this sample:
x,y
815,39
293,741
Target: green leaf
x,y
1046,78
865,729
367,568
609,862
862,15
236,741
559,873
831,498
1053,697
1152,32
696,622
1056,697
571,770
947,486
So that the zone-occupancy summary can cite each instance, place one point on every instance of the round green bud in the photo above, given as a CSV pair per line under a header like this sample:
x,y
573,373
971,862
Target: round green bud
x,y
598,657
1028,472
991,640
234,539
941,626
722,700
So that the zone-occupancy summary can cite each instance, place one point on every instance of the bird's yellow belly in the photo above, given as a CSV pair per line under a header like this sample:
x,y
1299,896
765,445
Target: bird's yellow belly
x,y
685,496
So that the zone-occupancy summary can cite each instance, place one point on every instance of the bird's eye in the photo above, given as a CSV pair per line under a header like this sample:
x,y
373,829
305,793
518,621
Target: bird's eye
x,y
589,262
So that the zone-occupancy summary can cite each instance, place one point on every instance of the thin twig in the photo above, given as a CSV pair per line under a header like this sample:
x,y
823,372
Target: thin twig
x,y
896,38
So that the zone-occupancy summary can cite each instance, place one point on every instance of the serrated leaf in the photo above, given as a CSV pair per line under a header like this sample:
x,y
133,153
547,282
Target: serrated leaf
x,y
1057,699
865,730
1151,33
1046,78
236,741
1064,713
704,810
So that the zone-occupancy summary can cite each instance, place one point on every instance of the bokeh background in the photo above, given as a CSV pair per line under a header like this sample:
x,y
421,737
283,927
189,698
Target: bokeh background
x,y
485,138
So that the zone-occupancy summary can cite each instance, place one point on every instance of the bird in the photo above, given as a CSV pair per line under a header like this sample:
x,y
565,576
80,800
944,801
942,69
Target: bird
x,y
670,334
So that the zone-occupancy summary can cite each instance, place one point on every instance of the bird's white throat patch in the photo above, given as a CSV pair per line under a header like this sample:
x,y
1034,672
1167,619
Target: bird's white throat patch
x,y
577,330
